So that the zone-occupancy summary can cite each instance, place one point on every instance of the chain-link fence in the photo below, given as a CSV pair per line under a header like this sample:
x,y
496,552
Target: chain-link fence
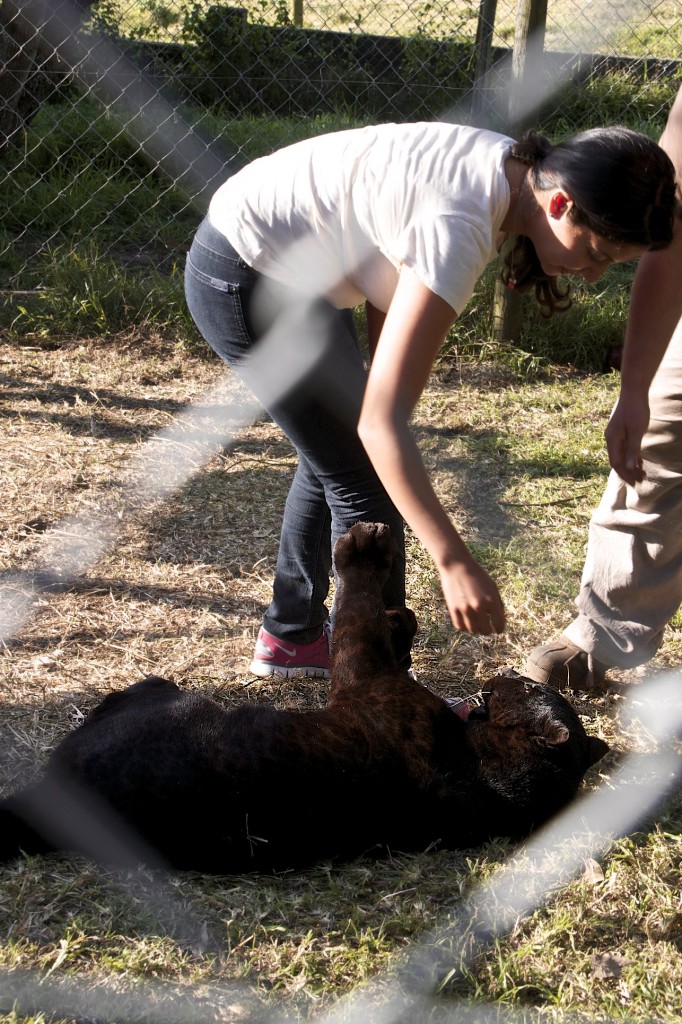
x,y
119,118
101,101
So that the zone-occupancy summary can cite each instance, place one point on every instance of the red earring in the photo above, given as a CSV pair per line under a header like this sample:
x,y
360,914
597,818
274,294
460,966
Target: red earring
x,y
557,205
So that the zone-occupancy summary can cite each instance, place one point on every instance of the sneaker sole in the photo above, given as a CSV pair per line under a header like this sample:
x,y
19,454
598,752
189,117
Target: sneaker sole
x,y
263,671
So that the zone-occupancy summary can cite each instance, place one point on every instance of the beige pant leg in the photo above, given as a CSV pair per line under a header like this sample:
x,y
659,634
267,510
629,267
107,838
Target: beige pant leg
x,y
632,578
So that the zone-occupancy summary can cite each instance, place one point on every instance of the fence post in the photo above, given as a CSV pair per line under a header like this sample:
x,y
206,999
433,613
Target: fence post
x,y
529,44
484,49
298,13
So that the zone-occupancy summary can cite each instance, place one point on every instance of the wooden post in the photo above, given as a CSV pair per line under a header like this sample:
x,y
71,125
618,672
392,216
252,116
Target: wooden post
x,y
298,13
529,44
484,48
527,60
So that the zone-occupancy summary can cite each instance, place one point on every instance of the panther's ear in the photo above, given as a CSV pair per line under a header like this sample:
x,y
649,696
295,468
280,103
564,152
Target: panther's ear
x,y
596,749
553,734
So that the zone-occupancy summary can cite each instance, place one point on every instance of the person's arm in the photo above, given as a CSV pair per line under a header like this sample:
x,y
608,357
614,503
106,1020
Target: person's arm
x,y
413,331
655,309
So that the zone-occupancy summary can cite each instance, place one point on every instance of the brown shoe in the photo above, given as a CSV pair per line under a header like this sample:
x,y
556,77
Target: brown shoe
x,y
560,664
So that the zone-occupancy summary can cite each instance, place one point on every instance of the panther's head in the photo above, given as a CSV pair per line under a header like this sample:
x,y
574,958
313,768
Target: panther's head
x,y
530,744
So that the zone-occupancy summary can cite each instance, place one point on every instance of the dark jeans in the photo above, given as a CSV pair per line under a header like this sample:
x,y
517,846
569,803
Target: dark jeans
x,y
334,485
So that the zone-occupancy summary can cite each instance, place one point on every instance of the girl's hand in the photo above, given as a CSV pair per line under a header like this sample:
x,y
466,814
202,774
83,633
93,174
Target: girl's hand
x,y
624,433
472,598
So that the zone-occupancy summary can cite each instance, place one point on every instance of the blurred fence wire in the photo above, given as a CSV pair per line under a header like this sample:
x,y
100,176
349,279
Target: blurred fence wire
x,y
192,91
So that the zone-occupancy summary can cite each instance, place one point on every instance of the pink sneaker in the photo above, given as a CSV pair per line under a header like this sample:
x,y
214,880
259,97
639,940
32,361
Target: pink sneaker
x,y
281,657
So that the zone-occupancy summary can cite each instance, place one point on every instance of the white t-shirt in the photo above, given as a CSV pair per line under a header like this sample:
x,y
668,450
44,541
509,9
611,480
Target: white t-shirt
x,y
339,214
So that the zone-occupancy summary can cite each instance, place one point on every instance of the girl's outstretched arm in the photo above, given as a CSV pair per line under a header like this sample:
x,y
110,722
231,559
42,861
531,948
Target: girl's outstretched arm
x,y
413,331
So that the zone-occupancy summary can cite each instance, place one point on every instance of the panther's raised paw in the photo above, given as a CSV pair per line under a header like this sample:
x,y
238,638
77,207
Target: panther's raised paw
x,y
365,543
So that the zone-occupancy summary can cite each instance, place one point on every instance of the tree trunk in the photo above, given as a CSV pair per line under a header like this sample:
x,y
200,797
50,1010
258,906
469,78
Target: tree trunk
x,y
28,63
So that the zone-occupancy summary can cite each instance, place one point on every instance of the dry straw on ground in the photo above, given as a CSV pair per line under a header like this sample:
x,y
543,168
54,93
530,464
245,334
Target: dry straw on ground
x,y
180,592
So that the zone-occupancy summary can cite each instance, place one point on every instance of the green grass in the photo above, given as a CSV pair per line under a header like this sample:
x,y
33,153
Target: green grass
x,y
91,294
79,290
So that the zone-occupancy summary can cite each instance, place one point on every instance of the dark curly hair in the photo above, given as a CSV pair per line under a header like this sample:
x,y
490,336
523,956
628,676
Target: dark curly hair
x,y
623,188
